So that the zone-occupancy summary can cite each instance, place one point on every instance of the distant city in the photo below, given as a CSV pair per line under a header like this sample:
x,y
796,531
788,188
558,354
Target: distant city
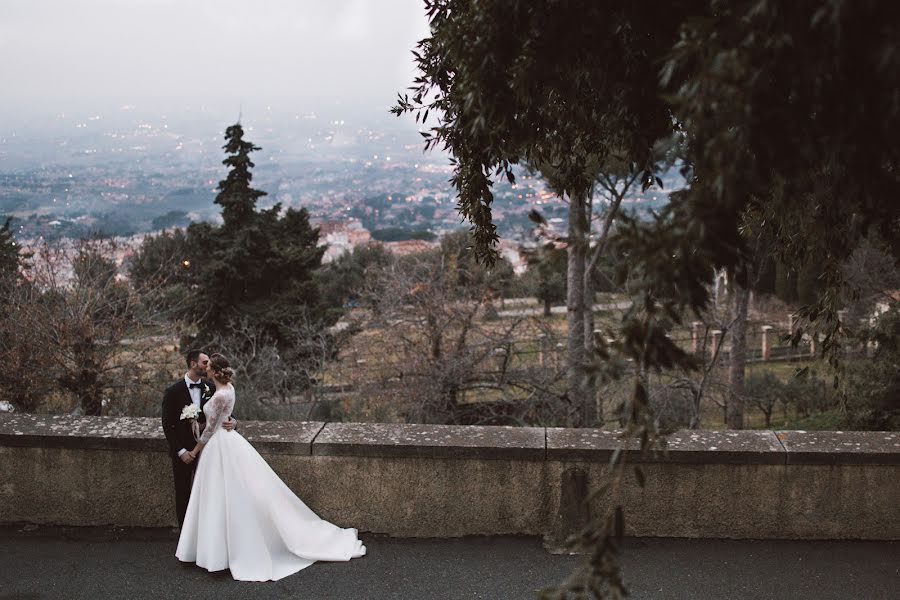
x,y
125,174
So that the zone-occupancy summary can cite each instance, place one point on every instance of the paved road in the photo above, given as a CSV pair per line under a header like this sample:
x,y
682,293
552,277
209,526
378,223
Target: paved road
x,y
135,564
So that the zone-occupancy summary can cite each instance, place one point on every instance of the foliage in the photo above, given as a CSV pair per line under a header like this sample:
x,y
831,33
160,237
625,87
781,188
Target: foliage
x,y
803,392
546,275
23,379
790,114
872,274
163,259
505,90
343,280
458,258
871,389
273,377
258,265
438,358
173,218
11,255
790,109
395,234
764,390
73,322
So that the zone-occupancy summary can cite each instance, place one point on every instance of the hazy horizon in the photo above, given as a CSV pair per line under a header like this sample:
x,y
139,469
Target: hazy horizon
x,y
273,59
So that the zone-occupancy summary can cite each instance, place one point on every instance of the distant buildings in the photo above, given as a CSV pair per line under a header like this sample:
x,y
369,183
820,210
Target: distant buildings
x,y
404,247
341,237
512,252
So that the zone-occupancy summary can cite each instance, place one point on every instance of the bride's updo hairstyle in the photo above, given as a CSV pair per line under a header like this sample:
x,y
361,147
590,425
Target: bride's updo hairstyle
x,y
220,368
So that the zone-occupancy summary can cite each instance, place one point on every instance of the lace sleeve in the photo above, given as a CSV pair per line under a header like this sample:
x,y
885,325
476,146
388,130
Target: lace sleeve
x,y
220,410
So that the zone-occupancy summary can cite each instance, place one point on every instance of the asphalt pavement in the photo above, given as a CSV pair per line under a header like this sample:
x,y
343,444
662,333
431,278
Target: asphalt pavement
x,y
90,563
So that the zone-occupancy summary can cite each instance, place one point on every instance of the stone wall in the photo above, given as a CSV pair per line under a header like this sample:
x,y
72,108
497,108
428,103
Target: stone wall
x,y
446,481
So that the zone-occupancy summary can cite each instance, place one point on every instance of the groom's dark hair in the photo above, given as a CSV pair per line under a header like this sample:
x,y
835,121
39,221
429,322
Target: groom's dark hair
x,y
193,356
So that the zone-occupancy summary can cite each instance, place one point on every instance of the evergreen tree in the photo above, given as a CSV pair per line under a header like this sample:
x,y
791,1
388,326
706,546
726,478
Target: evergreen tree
x,y
343,281
259,265
162,260
236,197
547,275
11,255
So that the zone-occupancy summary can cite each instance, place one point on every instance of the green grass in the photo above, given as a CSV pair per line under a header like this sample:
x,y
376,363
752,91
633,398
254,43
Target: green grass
x,y
785,370
825,421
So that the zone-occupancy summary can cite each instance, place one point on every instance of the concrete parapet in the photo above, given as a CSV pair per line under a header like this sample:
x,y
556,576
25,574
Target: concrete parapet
x,y
447,481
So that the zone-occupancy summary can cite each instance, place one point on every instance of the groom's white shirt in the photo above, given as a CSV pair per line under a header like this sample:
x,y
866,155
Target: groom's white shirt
x,y
195,398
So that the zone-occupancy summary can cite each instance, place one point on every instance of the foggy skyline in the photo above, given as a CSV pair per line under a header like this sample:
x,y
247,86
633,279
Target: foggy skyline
x,y
179,57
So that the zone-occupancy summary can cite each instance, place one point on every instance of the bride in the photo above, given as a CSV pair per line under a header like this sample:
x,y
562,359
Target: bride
x,y
241,516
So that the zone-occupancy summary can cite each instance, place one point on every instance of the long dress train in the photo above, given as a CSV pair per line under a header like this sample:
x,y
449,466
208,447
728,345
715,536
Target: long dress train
x,y
242,516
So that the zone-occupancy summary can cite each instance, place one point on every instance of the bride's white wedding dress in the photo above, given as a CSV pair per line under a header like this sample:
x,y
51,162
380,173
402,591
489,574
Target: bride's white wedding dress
x,y
242,517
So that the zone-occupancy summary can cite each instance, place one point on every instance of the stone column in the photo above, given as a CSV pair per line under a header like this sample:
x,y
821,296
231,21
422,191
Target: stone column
x,y
695,336
716,339
766,349
542,349
792,322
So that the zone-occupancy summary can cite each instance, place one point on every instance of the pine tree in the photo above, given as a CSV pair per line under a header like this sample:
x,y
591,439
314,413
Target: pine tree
x,y
259,265
236,197
11,255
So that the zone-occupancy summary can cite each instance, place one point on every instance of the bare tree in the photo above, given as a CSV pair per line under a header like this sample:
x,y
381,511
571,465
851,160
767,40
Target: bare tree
x,y
23,378
441,360
277,383
83,321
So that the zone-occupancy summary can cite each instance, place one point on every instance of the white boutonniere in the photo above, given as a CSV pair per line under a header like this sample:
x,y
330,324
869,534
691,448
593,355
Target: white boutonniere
x,y
190,413
207,391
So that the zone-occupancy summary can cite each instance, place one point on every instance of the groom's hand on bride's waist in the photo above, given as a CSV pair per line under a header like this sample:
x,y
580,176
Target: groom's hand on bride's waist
x,y
230,424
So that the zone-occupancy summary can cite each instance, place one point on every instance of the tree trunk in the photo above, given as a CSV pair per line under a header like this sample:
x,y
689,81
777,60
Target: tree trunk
x,y
592,258
590,375
575,270
547,305
734,414
436,337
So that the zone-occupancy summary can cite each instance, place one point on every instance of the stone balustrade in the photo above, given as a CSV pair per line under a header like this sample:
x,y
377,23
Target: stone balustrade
x,y
447,481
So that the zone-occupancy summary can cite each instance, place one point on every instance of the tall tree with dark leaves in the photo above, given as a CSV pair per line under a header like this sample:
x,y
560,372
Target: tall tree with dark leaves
x,y
11,255
236,197
258,266
790,110
506,91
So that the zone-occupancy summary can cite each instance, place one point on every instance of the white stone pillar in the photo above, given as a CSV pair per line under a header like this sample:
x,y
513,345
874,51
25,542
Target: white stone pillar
x,y
716,340
695,336
766,349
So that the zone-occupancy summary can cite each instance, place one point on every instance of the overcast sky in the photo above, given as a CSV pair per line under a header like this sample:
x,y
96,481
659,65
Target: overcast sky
x,y
297,56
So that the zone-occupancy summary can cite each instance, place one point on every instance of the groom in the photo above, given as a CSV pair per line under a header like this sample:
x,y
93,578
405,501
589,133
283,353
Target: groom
x,y
193,389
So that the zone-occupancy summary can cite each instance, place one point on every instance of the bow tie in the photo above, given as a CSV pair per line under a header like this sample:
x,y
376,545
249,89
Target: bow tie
x,y
193,385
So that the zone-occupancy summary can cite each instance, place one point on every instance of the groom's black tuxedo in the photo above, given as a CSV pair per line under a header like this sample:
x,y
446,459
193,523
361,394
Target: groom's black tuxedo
x,y
179,435
178,430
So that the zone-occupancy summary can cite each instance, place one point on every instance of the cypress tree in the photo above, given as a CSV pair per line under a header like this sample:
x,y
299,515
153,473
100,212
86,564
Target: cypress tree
x,y
236,197
11,255
259,265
